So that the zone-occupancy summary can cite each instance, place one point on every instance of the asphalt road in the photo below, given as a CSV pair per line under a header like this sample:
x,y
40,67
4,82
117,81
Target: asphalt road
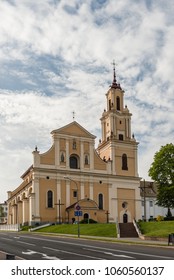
x,y
38,247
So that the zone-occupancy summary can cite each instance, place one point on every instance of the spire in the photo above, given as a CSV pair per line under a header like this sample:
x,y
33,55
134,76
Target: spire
x,y
114,75
114,82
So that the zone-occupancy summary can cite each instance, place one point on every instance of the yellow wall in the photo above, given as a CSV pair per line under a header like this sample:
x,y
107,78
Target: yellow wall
x,y
126,195
49,157
47,214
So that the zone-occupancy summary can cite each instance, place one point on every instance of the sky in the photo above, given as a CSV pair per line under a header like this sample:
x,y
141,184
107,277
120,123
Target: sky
x,y
56,57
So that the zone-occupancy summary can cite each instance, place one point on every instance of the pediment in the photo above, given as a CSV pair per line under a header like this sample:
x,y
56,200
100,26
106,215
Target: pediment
x,y
74,129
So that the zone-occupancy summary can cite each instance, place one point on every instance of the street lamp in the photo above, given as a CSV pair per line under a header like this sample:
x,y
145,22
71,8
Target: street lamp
x,y
143,188
77,189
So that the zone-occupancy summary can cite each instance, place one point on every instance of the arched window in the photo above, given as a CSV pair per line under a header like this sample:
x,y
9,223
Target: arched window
x,y
73,162
109,104
120,137
118,103
50,199
100,201
124,162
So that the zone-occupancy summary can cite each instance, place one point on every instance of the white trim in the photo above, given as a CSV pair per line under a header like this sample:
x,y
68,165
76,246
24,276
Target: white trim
x,y
91,191
91,157
81,155
67,154
82,190
57,152
67,193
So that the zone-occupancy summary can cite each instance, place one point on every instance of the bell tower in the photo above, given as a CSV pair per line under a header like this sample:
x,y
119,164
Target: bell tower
x,y
117,143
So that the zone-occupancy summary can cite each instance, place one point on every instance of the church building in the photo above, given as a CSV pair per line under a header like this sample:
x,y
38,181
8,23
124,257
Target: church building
x,y
74,181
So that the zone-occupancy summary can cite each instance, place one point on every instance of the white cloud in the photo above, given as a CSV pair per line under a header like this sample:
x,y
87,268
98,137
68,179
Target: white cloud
x,y
56,53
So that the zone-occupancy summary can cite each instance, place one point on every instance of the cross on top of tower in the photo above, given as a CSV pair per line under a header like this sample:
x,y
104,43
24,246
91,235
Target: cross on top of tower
x,y
73,113
114,75
114,82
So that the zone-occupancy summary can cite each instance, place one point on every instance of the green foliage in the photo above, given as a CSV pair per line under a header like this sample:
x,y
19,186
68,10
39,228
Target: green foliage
x,y
159,218
162,171
156,229
2,211
88,221
103,230
170,218
25,228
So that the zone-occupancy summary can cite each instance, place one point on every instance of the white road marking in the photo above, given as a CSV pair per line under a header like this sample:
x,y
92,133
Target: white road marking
x,y
44,256
122,256
26,243
6,238
102,248
29,252
109,253
72,253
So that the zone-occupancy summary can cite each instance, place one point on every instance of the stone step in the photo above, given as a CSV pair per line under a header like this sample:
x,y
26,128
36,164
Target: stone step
x,y
127,230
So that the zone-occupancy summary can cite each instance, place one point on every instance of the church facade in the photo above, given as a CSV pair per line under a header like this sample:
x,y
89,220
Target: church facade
x,y
74,178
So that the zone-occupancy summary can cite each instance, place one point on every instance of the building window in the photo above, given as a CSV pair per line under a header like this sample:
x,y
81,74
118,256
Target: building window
x,y
124,162
120,137
100,200
109,104
124,204
50,199
73,162
75,194
118,103
151,203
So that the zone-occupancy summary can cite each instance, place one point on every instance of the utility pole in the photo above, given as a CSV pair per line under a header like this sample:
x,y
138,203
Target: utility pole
x,y
144,192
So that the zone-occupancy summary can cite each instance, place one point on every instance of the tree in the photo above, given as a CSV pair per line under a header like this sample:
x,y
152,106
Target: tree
x,y
1,212
162,172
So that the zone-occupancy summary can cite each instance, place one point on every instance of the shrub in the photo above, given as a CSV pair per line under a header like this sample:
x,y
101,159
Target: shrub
x,y
159,218
86,221
169,218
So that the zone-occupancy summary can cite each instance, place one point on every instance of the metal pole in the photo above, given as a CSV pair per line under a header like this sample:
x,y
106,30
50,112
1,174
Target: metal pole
x,y
144,200
78,226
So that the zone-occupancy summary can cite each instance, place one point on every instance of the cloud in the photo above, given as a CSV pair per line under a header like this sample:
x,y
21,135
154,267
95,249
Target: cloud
x,y
56,53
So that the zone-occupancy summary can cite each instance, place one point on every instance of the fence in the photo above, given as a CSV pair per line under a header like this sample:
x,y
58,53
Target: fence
x,y
15,227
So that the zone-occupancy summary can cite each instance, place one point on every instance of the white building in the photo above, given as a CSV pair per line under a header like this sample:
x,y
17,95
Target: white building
x,y
150,209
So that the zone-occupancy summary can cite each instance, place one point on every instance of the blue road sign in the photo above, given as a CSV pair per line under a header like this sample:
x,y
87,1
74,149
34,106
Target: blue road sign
x,y
78,213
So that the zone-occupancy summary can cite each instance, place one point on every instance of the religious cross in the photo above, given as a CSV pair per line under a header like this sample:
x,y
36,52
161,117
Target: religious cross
x,y
107,216
59,204
73,115
113,63
114,74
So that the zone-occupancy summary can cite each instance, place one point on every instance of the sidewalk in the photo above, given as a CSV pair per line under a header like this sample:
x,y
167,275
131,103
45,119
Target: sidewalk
x,y
135,240
6,256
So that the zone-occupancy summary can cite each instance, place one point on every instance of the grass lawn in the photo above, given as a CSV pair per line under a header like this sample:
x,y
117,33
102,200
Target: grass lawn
x,y
157,229
103,230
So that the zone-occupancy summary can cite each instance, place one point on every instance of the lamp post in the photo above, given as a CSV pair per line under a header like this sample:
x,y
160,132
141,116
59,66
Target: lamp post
x,y
77,189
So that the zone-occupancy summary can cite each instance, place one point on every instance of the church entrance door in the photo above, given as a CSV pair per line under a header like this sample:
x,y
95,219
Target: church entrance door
x,y
125,218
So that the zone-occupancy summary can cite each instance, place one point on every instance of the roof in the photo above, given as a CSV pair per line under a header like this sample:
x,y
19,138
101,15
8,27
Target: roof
x,y
148,188
74,129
